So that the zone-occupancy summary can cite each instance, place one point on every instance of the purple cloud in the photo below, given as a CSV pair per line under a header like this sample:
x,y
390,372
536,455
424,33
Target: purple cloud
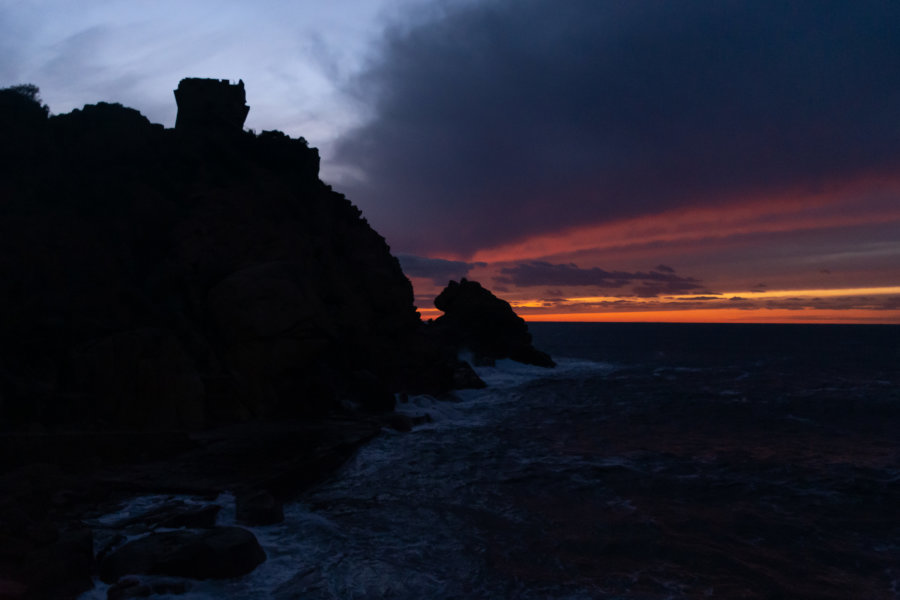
x,y
651,283
438,270
500,119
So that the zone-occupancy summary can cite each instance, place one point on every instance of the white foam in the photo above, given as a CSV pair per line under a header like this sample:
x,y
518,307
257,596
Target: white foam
x,y
509,373
321,549
438,410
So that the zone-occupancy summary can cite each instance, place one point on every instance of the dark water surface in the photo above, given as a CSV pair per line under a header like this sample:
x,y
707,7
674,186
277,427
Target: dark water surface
x,y
657,461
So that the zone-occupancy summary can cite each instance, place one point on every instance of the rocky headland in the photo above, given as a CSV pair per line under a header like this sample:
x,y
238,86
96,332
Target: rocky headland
x,y
484,324
192,310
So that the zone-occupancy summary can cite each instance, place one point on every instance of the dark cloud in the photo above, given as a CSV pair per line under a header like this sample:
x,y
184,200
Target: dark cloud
x,y
849,303
438,270
890,303
651,290
424,300
837,303
503,118
540,273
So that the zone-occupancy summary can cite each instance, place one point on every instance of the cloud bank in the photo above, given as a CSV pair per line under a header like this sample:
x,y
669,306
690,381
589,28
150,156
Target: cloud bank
x,y
653,283
501,119
437,270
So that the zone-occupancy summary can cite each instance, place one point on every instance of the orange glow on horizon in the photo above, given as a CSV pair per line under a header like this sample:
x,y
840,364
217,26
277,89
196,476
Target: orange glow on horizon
x,y
726,315
429,313
864,202
584,309
711,315
830,293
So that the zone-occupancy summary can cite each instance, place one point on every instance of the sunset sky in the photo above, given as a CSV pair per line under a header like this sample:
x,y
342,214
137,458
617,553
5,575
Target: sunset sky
x,y
734,161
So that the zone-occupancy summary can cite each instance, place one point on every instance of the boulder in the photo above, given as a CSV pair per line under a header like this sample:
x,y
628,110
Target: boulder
x,y
475,319
465,377
133,587
404,423
258,508
62,568
128,587
220,553
172,515
398,422
432,365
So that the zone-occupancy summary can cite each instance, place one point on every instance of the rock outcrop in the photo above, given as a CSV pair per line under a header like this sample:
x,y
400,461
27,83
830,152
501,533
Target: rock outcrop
x,y
474,319
211,105
192,310
217,553
159,279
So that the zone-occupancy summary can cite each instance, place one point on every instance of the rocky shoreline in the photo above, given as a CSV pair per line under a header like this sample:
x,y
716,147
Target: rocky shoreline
x,y
52,547
192,311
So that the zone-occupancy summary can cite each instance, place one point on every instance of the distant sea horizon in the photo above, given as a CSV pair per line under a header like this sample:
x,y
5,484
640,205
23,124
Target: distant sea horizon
x,y
614,318
657,461
698,317
589,322
828,346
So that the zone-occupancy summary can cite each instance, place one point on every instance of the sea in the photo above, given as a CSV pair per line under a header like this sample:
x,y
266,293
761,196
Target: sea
x,y
656,461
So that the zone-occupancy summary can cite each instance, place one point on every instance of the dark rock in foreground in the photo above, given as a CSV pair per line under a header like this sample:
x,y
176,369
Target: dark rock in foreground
x,y
192,310
258,508
172,515
477,320
62,567
219,553
134,587
176,279
45,550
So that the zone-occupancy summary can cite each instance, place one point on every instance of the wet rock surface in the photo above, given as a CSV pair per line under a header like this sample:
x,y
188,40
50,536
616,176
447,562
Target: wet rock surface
x,y
51,540
216,553
172,515
136,587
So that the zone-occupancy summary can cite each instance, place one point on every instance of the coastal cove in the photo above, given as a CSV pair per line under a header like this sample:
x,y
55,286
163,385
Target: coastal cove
x,y
215,383
193,311
736,465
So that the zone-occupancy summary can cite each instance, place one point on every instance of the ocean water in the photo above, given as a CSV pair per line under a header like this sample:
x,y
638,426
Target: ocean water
x,y
656,461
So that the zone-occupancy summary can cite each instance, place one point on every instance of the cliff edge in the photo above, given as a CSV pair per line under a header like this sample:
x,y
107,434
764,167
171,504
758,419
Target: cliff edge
x,y
175,278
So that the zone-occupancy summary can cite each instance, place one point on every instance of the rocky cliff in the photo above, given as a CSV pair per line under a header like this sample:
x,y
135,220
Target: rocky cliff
x,y
477,321
191,310
174,278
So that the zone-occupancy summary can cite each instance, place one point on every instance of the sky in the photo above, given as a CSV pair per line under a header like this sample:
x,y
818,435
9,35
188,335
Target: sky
x,y
724,161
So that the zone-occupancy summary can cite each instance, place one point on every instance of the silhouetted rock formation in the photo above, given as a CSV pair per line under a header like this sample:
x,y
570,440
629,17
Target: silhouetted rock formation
x,y
172,280
477,320
211,105
156,280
